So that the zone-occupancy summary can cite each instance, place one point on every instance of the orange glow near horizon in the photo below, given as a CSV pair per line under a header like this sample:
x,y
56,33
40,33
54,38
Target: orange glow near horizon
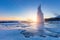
x,y
17,18
9,18
31,19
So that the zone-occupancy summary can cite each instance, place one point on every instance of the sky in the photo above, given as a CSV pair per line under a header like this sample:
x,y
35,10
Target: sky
x,y
18,9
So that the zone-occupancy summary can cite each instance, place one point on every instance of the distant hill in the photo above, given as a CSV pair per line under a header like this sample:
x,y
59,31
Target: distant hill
x,y
9,21
57,18
15,21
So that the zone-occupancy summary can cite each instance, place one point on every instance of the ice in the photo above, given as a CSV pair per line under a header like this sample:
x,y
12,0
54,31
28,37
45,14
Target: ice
x,y
52,32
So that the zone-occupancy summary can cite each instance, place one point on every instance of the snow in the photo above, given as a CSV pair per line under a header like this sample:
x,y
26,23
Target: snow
x,y
15,34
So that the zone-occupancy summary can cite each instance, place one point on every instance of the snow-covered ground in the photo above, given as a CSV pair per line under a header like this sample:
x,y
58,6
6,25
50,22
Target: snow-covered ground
x,y
15,34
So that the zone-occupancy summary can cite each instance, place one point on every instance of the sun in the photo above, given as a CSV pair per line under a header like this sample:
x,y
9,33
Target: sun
x,y
33,19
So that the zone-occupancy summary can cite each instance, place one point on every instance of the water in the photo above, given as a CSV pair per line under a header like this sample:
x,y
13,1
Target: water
x,y
15,34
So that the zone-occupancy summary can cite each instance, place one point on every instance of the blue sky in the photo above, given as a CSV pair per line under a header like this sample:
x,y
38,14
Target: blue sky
x,y
28,8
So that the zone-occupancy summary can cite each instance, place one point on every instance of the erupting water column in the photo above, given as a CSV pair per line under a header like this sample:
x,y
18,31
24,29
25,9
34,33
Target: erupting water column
x,y
40,20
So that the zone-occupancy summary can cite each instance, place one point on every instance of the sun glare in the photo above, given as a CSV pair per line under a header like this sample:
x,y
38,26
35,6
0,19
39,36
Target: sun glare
x,y
32,19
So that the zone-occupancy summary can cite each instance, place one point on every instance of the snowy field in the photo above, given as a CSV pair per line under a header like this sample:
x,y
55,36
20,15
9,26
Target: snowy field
x,y
14,34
